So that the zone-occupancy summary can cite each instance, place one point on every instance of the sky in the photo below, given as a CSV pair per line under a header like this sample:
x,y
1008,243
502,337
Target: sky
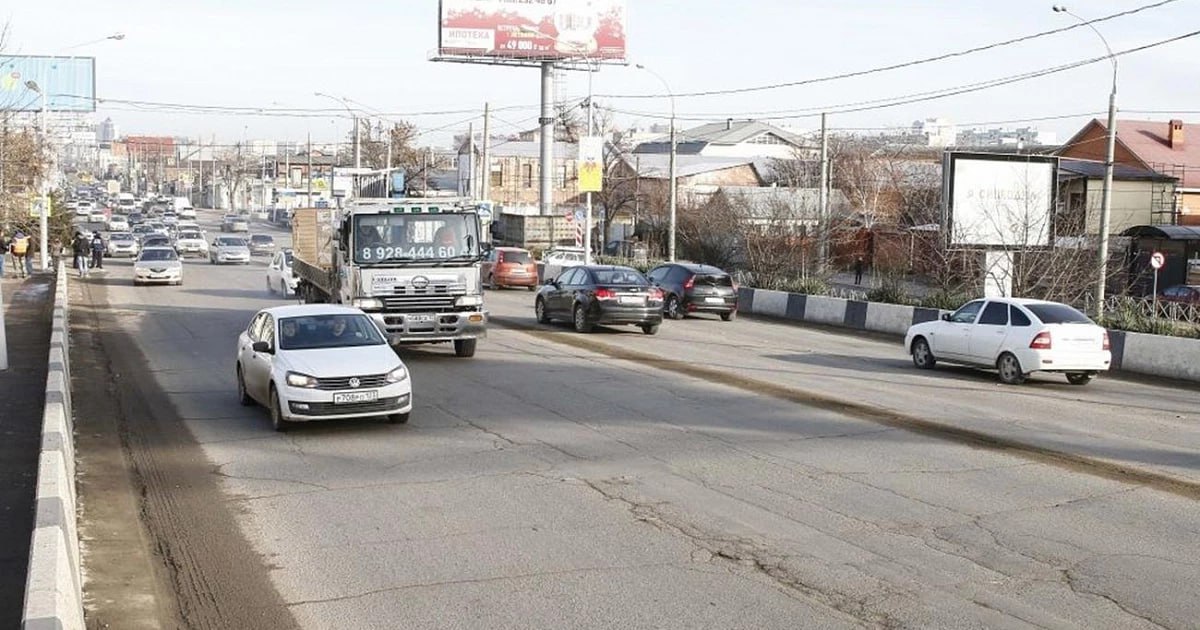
x,y
274,54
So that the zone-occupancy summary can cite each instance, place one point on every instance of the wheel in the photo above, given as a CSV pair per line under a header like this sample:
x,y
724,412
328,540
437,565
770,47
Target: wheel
x,y
270,287
539,308
277,421
533,288
464,347
492,282
243,395
1079,378
728,317
922,356
650,329
1010,369
672,308
581,322
398,418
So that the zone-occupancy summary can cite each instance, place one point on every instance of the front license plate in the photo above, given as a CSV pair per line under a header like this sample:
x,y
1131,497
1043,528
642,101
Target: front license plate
x,y
632,299
420,319
713,300
355,397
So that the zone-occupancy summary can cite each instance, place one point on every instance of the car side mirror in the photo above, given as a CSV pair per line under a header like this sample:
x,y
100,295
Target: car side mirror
x,y
261,346
945,317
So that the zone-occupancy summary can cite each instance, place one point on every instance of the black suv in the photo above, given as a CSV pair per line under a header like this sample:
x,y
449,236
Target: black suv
x,y
691,288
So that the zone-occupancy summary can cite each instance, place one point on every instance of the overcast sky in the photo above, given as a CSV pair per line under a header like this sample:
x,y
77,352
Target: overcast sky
x,y
275,53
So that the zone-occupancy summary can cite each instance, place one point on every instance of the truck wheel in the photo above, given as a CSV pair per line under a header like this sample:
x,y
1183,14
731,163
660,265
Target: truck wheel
x,y
464,347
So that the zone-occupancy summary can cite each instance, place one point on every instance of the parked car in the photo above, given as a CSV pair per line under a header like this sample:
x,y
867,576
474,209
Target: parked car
x,y
557,259
1016,337
235,223
118,223
279,274
122,244
262,244
320,362
597,294
691,288
229,249
509,267
157,264
1182,294
191,242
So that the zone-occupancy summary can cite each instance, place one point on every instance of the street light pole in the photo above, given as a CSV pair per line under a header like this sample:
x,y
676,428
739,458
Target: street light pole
x,y
674,149
43,212
1109,160
354,116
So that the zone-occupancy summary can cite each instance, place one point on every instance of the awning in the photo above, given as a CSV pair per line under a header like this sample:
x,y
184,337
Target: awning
x,y
1166,232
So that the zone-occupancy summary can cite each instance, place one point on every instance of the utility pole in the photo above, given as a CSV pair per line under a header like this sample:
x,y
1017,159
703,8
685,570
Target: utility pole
x,y
471,161
587,220
310,170
425,172
357,145
486,186
546,179
823,197
44,215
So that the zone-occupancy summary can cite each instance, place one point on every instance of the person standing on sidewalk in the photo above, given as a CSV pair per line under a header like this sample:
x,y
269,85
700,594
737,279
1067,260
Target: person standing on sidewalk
x,y
97,251
20,252
3,251
859,265
82,249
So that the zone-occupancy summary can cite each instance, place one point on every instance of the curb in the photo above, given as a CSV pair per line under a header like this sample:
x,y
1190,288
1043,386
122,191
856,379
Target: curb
x,y
53,586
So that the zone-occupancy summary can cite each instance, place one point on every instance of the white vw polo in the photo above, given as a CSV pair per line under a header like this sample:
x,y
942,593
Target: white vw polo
x,y
320,362
1015,337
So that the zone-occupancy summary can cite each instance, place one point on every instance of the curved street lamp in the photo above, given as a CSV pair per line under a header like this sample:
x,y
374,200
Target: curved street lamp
x,y
354,116
674,145
1109,159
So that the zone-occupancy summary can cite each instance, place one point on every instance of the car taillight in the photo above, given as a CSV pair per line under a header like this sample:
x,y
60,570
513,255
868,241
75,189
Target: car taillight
x,y
1107,345
1040,342
499,257
691,282
656,294
605,294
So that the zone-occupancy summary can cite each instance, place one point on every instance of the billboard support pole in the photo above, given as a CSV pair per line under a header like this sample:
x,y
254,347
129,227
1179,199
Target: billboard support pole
x,y
587,242
485,187
43,216
823,201
546,121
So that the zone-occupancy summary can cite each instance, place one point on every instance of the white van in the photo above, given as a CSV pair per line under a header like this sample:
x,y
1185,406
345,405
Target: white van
x,y
126,202
183,208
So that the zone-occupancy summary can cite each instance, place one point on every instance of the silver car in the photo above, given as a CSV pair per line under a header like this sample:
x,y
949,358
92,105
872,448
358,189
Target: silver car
x,y
229,249
235,223
191,242
122,244
158,265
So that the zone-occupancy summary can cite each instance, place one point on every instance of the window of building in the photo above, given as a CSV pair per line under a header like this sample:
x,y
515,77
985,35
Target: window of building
x,y
528,175
497,180
563,176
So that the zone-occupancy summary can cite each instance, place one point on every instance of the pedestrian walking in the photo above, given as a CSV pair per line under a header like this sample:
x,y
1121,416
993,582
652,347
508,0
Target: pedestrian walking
x,y
97,251
82,249
20,252
859,265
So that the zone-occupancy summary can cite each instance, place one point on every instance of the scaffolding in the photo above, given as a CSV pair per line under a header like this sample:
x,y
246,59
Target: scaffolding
x,y
1165,203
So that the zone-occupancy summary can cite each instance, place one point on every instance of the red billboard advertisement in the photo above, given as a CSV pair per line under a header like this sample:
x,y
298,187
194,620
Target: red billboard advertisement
x,y
547,30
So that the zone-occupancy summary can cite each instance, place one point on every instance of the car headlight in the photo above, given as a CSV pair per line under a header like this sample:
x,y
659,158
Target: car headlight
x,y
469,300
368,304
397,375
296,379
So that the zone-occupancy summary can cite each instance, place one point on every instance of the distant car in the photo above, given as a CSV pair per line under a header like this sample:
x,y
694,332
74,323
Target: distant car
x,y
1181,294
136,218
157,265
186,213
156,240
235,223
122,244
1016,337
142,230
191,242
188,226
509,267
691,288
279,274
262,244
97,217
157,227
559,258
320,362
170,218
118,223
229,249
594,294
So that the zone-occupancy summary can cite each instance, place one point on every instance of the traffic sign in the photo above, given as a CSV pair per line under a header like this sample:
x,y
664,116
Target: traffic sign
x,y
1157,260
579,215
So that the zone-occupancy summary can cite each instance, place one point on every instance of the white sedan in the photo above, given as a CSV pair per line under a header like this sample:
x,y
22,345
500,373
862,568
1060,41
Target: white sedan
x,y
320,362
1016,337
279,274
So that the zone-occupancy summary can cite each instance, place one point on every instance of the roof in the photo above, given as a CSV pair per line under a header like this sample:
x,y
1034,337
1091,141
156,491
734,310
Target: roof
x,y
1168,232
657,166
737,132
521,148
1070,168
305,310
698,267
1147,139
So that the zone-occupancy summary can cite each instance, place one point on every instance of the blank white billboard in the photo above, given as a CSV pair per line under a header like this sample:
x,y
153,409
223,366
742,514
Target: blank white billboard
x,y
1001,200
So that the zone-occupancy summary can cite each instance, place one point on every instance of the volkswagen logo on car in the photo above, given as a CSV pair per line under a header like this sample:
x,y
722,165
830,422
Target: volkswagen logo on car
x,y
355,383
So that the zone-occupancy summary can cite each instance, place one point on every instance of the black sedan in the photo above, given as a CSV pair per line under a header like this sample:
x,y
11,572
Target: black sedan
x,y
596,294
690,288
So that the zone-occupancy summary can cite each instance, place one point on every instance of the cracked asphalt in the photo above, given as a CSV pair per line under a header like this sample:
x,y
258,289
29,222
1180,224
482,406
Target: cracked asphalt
x,y
547,485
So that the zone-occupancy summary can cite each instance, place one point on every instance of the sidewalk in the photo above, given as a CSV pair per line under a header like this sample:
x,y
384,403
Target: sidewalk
x,y
28,305
870,280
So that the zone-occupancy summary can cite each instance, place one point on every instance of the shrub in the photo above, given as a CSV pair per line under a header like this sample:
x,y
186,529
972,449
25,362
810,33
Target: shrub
x,y
944,300
808,285
890,291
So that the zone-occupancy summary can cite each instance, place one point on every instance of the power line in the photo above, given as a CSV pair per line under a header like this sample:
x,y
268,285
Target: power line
x,y
897,66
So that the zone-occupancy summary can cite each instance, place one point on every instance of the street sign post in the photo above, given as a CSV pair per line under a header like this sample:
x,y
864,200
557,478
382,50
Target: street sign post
x,y
1157,260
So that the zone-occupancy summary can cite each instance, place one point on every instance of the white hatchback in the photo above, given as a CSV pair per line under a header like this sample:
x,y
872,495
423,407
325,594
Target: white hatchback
x,y
320,362
1016,337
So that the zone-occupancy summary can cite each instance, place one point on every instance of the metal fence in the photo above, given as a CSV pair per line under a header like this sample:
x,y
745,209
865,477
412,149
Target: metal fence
x,y
1149,308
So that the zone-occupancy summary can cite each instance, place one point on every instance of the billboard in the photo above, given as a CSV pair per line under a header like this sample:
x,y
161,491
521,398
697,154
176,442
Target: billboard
x,y
69,83
548,30
591,164
1000,200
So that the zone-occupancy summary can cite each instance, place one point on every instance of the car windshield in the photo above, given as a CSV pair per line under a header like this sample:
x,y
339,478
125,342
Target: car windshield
x,y
158,255
328,331
1057,314
262,238
120,236
226,241
189,236
383,237
287,256
619,276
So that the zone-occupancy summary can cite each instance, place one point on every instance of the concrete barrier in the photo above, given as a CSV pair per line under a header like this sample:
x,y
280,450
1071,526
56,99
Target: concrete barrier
x,y
54,583
1153,355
